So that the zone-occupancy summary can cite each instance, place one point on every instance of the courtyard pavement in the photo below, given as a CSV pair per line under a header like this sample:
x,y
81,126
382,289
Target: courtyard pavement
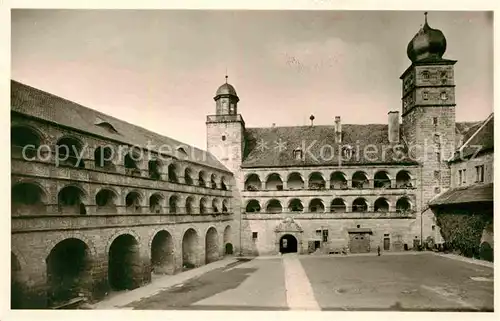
x,y
409,281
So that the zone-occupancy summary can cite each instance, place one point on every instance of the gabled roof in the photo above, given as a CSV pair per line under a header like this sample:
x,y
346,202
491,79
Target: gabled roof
x,y
317,143
478,139
466,194
45,106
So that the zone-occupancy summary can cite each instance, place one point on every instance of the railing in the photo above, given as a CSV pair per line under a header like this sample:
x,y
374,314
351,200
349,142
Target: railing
x,y
355,185
224,118
44,157
96,221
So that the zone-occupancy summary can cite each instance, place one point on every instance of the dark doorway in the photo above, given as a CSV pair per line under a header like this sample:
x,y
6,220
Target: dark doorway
x,y
124,263
288,244
229,248
387,244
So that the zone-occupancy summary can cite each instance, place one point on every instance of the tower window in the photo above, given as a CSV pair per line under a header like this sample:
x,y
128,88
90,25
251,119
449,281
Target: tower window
x,y
437,175
480,174
438,156
434,121
254,235
425,95
425,74
297,154
223,138
436,138
437,190
444,95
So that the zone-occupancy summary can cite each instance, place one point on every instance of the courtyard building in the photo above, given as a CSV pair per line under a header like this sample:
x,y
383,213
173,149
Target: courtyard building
x,y
100,205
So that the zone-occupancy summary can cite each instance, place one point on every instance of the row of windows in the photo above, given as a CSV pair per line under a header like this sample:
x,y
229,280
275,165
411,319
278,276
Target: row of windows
x,y
338,180
70,200
360,204
67,150
462,175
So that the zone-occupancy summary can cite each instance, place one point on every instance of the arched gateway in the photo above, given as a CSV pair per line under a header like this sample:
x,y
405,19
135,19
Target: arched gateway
x,y
288,236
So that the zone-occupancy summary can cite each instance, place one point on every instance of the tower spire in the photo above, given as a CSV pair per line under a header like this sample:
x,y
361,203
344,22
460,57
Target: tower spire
x,y
226,75
425,15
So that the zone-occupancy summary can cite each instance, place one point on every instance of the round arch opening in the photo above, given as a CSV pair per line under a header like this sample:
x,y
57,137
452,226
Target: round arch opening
x,y
288,244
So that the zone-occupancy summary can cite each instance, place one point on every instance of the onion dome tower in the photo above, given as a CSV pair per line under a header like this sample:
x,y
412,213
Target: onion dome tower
x,y
427,44
226,100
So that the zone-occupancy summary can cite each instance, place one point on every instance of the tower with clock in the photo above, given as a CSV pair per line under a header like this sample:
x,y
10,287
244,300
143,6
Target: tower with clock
x,y
428,115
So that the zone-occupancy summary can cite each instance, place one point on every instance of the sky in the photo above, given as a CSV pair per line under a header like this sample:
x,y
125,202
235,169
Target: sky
x,y
159,69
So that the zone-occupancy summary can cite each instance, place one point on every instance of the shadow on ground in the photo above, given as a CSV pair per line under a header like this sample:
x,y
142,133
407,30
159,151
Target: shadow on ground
x,y
181,297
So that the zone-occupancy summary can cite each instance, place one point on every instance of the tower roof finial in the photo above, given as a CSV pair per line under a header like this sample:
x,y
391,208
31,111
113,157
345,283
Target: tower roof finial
x,y
425,14
226,75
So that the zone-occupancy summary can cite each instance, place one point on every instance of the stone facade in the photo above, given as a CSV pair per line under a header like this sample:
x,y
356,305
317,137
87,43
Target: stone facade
x,y
89,228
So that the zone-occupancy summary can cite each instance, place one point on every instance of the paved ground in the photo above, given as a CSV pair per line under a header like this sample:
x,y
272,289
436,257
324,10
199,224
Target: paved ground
x,y
365,282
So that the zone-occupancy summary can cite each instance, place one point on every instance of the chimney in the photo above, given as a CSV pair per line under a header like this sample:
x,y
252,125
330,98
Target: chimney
x,y
338,130
393,128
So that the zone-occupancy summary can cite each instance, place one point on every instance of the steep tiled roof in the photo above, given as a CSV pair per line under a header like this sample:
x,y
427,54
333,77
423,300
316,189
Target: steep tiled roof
x,y
465,194
262,146
479,139
36,103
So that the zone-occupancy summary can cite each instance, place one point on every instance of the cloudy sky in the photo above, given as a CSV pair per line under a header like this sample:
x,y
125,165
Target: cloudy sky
x,y
160,69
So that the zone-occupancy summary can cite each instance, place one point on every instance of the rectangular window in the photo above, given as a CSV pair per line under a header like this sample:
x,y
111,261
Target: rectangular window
x,y
437,190
438,156
325,236
459,177
464,176
318,232
254,235
480,174
433,227
435,121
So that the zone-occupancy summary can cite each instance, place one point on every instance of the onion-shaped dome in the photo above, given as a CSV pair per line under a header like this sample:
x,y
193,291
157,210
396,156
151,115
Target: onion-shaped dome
x,y
427,44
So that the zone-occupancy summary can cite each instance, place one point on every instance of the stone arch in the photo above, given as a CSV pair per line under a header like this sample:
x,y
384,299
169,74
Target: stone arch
x,y
338,180
338,205
381,205
27,137
105,200
360,180
28,197
202,178
252,206
103,157
173,204
359,205
295,181
274,206
133,202
316,205
16,284
172,173
130,162
223,183
404,179
155,168
188,179
225,206
59,237
189,208
69,148
252,182
190,245
203,205
162,253
316,181
213,181
295,205
71,199
211,245
215,205
155,203
124,262
382,179
274,182
228,245
403,205
68,271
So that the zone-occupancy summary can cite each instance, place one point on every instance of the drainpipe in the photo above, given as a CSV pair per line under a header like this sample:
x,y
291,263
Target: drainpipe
x,y
421,206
